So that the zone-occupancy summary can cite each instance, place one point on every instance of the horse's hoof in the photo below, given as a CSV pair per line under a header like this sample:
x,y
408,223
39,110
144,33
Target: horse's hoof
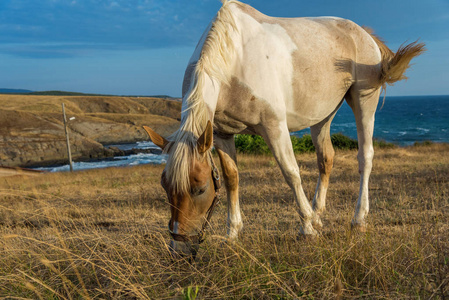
x,y
232,237
358,227
316,222
230,240
233,233
307,231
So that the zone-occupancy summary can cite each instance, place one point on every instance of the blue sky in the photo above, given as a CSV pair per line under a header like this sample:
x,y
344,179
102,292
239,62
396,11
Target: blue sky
x,y
141,47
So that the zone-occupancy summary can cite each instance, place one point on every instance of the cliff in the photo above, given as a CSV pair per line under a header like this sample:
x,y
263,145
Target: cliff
x,y
32,130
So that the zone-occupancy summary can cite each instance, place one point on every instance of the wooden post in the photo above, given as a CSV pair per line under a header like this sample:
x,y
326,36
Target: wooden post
x,y
67,139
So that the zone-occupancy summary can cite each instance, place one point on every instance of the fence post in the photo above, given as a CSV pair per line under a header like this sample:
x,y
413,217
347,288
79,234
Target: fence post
x,y
67,139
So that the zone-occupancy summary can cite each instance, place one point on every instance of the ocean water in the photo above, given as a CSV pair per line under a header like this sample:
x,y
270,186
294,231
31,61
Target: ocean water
x,y
402,121
119,161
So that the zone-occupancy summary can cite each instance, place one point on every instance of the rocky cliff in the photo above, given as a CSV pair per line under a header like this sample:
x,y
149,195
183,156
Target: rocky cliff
x,y
32,130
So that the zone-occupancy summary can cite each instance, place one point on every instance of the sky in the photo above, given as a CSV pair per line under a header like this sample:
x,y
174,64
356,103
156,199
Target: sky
x,y
141,47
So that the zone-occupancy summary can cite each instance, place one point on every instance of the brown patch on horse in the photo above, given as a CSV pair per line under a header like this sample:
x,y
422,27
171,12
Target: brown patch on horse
x,y
325,161
238,100
230,171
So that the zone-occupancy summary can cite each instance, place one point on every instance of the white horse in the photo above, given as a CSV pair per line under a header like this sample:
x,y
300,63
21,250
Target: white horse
x,y
251,73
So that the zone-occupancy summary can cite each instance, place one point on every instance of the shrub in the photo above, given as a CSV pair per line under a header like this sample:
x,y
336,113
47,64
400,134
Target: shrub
x,y
423,143
383,144
254,144
340,141
251,144
302,144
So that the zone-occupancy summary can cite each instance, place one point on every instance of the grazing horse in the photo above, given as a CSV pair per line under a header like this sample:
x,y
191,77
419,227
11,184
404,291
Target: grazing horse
x,y
255,74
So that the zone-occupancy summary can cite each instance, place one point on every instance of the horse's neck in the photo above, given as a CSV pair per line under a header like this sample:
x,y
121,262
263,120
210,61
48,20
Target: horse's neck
x,y
210,86
194,114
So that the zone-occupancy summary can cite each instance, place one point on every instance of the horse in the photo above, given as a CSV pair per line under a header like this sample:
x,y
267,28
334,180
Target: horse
x,y
255,74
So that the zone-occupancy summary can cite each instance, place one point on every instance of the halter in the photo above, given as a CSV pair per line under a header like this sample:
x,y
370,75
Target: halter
x,y
200,237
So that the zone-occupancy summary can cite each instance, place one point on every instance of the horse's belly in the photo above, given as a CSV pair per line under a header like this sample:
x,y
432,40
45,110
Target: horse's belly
x,y
308,113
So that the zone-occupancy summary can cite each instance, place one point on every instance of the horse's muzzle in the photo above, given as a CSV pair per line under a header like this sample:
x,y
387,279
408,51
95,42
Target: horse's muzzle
x,y
184,249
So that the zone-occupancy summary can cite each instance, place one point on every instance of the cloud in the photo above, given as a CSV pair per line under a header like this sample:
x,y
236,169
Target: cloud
x,y
101,24
54,50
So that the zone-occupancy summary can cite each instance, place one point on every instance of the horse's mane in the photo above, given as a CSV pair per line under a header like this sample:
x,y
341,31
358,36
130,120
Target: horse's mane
x,y
214,61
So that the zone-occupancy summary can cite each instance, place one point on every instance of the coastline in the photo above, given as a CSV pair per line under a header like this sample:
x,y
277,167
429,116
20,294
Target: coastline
x,y
32,135
136,156
32,131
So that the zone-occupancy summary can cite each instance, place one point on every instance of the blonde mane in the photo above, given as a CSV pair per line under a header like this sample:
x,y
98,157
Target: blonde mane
x,y
214,61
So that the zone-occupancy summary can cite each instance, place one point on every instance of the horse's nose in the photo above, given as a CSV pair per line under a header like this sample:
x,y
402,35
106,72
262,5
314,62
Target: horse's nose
x,y
183,249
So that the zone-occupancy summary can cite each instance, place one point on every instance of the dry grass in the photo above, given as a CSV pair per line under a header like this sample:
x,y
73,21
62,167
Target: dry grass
x,y
102,234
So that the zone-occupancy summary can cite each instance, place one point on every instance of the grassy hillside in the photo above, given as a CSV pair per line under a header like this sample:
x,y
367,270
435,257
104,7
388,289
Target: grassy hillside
x,y
102,234
91,104
32,131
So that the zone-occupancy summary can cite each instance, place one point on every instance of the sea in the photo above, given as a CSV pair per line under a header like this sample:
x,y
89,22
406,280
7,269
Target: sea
x,y
399,120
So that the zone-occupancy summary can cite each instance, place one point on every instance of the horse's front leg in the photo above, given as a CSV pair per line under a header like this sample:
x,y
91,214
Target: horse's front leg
x,y
227,154
278,139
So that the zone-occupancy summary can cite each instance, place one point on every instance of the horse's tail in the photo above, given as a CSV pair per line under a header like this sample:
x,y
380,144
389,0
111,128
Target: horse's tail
x,y
394,65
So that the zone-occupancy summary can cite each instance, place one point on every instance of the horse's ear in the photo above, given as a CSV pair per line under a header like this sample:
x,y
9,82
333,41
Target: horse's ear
x,y
156,138
205,140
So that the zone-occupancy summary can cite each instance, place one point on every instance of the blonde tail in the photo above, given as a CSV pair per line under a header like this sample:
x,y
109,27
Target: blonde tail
x,y
394,65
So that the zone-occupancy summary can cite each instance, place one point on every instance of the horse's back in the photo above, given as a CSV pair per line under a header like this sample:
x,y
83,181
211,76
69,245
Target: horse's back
x,y
307,64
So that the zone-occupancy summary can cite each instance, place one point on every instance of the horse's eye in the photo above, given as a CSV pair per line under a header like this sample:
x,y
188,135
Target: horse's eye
x,y
198,191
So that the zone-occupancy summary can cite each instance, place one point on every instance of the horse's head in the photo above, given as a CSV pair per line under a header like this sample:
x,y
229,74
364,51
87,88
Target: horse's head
x,y
191,207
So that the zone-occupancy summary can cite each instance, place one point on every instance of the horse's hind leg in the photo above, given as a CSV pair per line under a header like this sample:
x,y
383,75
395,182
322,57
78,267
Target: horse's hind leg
x,y
364,106
278,139
227,153
325,158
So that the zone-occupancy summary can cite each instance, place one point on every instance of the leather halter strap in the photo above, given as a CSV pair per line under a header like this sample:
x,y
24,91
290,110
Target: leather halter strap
x,y
199,238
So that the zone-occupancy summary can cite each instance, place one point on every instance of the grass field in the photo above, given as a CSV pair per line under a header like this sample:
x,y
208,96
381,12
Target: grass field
x,y
101,234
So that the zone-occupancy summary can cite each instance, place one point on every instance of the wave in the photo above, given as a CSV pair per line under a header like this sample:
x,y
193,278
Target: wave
x,y
122,161
138,145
